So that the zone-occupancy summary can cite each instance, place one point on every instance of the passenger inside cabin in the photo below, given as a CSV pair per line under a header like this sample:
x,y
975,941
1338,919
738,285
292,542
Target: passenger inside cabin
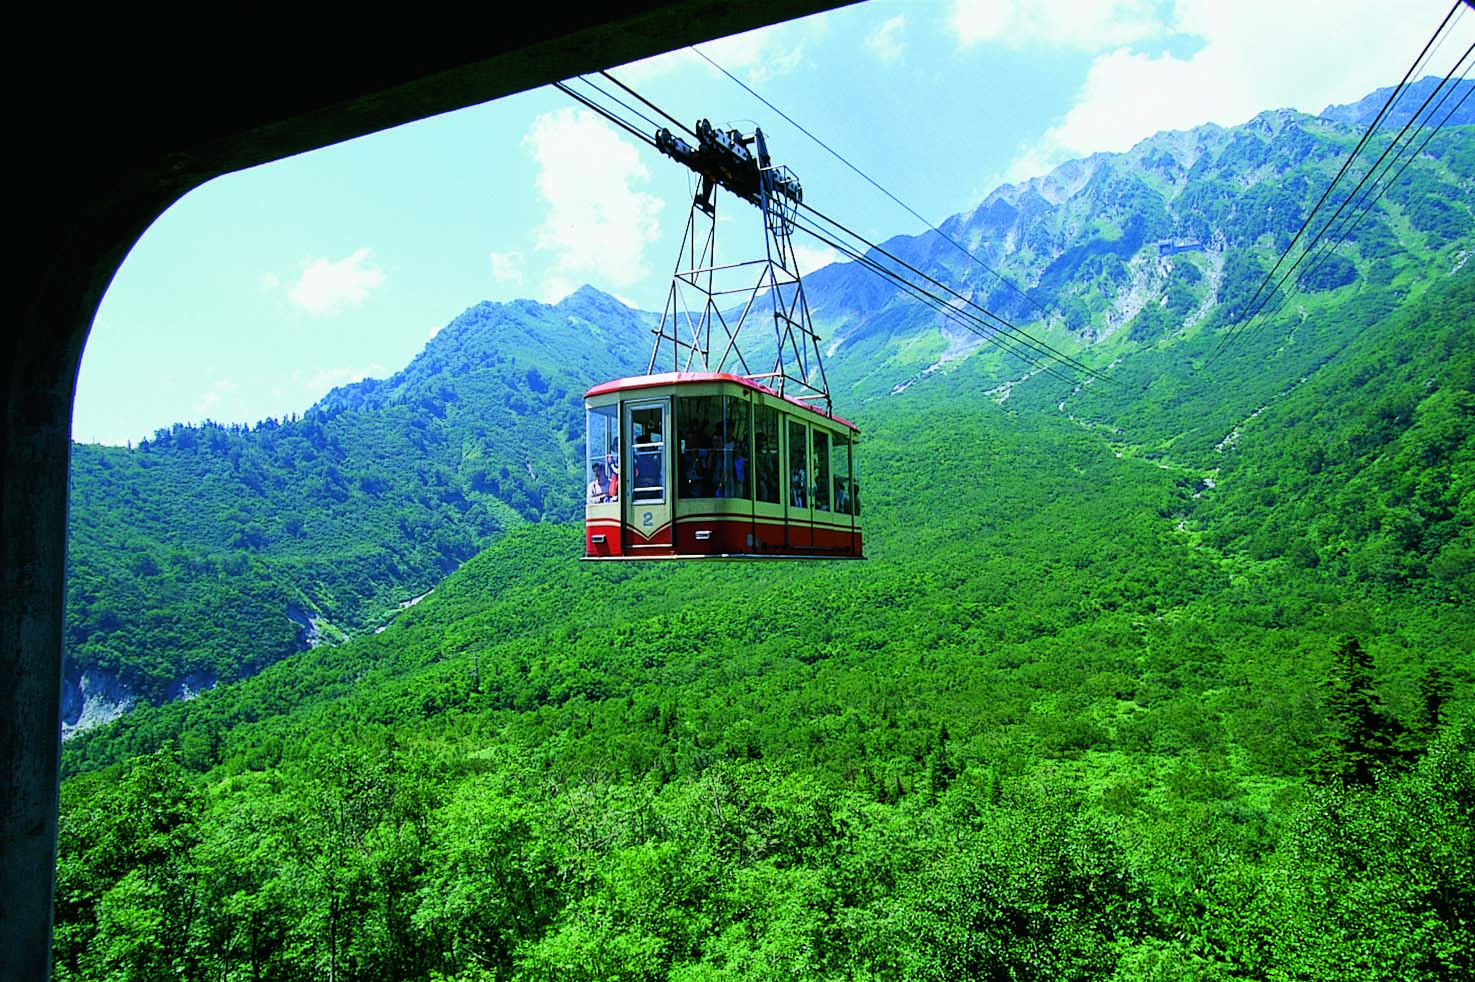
x,y
648,478
717,467
599,487
693,467
768,486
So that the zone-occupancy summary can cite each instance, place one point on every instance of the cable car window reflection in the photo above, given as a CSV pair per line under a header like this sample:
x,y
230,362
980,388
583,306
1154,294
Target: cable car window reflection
x,y
647,443
798,471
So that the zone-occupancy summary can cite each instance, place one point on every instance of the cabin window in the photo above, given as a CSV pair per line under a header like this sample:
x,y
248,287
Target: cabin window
x,y
798,465
765,467
820,479
854,481
647,444
601,465
715,459
840,463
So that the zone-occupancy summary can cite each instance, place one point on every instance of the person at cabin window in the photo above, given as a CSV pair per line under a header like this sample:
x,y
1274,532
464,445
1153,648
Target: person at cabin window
x,y
694,464
768,483
799,489
717,466
688,471
599,488
798,484
614,481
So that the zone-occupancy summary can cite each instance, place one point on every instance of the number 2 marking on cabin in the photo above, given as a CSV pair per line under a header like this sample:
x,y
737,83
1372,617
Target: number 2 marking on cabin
x,y
647,520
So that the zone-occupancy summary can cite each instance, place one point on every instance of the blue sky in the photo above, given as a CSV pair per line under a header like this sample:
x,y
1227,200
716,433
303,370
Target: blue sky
x,y
257,293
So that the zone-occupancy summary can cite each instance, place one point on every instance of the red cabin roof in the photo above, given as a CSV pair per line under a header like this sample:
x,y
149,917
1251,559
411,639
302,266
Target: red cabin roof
x,y
684,378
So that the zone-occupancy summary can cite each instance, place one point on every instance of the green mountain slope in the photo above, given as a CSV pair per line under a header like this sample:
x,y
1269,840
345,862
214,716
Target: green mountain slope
x,y
207,552
1042,709
1161,676
303,531
1117,252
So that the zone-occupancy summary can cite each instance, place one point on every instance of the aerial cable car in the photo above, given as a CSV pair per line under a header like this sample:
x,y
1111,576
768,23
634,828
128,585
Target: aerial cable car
x,y
704,456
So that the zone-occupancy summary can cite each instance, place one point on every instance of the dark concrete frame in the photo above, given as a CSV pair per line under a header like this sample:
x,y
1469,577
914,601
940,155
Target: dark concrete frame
x,y
115,123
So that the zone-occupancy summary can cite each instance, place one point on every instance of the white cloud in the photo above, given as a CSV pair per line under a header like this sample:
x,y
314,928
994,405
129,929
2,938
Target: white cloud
x,y
1249,56
811,258
302,389
221,392
506,267
1308,54
327,286
1089,25
598,223
885,41
760,55
320,383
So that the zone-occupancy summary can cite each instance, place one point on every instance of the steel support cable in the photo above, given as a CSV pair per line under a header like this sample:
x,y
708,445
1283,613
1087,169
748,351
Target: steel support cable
x,y
1357,190
999,329
935,301
625,124
1380,185
1374,184
970,321
1392,98
634,130
834,153
974,323
1003,329
1022,336
653,107
612,115
1374,192
1322,246
651,124
1349,227
1366,136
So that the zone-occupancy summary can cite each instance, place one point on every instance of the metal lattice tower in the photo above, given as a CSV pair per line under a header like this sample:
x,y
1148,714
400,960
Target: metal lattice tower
x,y
710,304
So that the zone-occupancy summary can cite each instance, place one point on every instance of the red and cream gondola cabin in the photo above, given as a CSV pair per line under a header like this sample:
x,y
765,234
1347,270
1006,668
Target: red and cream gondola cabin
x,y
687,465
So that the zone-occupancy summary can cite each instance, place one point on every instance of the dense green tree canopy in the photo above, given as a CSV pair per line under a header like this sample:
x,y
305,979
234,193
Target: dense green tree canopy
x,y
1162,675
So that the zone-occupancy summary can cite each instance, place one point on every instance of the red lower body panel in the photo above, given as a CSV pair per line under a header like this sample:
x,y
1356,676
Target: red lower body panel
x,y
722,536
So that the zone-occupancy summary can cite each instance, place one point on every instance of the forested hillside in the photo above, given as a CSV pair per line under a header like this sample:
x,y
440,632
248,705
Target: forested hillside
x,y
1162,674
301,531
297,531
1046,730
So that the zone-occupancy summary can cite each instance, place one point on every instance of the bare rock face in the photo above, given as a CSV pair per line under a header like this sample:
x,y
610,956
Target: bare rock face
x,y
92,698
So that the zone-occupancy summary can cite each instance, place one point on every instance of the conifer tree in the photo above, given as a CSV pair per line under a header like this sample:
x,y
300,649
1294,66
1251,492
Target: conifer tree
x,y
1365,736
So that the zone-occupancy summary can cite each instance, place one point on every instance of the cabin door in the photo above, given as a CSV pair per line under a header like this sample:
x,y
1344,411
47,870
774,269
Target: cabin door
x,y
647,472
799,488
